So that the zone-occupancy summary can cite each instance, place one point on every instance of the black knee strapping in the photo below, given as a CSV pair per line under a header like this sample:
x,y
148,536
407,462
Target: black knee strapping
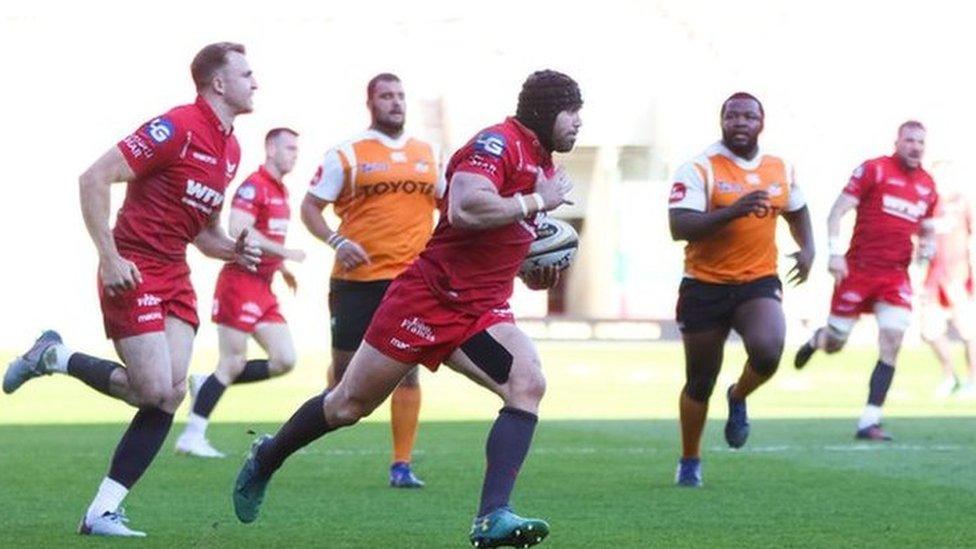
x,y
490,356
700,385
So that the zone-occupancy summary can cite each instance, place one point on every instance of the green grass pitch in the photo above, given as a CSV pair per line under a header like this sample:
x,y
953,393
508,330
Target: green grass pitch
x,y
600,471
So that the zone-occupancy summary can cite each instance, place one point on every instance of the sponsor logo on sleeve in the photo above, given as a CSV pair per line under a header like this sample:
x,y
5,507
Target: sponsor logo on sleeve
x,y
138,147
317,177
491,143
678,193
247,192
160,129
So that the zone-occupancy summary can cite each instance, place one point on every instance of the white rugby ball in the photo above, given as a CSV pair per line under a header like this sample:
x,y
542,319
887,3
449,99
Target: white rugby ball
x,y
555,245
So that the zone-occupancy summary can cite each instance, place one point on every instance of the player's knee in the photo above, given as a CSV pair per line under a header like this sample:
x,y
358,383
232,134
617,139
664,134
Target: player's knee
x,y
699,386
347,411
764,358
174,397
529,384
834,339
151,394
283,362
232,365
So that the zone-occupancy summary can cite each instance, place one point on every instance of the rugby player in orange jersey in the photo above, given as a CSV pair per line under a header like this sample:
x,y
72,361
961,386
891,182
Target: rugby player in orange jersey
x,y
384,185
724,203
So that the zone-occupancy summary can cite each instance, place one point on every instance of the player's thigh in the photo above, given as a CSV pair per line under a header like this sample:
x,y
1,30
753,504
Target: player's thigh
x,y
369,379
502,359
148,365
179,337
762,326
275,339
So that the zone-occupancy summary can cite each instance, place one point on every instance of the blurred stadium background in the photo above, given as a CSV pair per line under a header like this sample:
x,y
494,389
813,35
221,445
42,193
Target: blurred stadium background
x,y
836,79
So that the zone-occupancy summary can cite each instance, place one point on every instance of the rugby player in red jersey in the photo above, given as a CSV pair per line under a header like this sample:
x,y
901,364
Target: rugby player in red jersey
x,y
947,295
451,306
894,198
244,303
177,167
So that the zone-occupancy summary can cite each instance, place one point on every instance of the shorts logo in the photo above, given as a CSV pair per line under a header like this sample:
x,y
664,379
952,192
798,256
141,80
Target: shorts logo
x,y
401,345
417,327
678,193
160,130
252,308
491,143
149,317
148,300
247,319
852,297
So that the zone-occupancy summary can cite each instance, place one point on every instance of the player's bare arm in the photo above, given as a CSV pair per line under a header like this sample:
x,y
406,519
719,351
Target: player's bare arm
x,y
213,242
241,221
691,225
116,273
348,252
474,202
837,264
801,229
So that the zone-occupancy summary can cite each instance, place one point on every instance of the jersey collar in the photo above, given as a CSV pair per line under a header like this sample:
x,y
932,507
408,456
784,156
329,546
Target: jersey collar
x,y
386,140
719,148
210,115
267,176
531,137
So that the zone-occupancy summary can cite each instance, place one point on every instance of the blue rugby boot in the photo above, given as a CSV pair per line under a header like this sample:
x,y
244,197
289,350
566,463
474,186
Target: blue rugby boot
x,y
737,427
503,528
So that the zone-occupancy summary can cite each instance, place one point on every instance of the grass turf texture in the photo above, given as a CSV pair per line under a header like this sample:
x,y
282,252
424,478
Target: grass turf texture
x,y
801,481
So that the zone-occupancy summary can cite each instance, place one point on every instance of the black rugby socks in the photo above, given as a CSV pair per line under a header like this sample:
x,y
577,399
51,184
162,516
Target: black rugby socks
x,y
508,444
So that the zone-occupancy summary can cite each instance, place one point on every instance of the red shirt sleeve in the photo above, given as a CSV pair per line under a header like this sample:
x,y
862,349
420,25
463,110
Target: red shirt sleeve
x,y
154,145
862,180
488,157
246,198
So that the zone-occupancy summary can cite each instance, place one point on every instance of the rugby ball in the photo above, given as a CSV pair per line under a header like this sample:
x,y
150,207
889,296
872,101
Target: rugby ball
x,y
555,245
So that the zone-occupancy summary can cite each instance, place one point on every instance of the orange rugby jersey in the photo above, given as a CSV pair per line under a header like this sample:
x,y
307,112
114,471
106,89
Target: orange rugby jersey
x,y
385,192
744,249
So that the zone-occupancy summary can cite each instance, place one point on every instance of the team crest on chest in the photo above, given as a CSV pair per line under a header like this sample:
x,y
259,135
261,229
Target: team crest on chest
x,y
753,178
398,157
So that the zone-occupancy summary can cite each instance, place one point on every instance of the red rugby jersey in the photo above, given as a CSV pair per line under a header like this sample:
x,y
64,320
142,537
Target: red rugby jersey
x,y
892,202
183,161
266,198
474,270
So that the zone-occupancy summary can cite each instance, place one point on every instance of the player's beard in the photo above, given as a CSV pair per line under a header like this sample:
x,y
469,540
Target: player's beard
x,y
740,150
387,125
